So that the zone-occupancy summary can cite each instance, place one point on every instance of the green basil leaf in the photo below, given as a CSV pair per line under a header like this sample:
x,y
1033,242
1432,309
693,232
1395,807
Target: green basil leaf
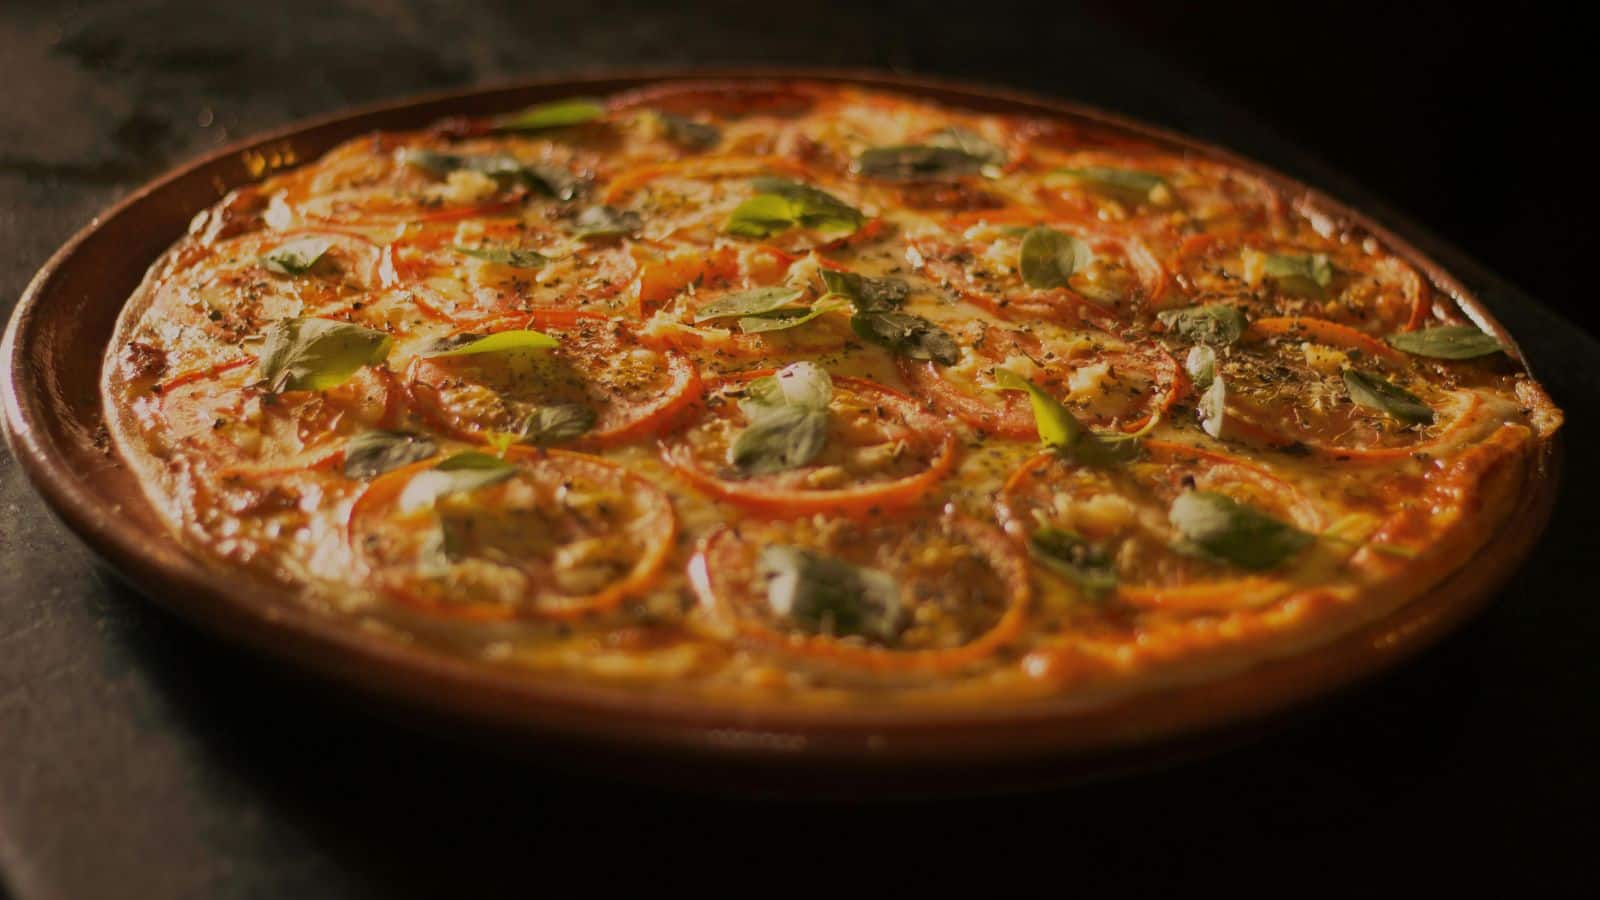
x,y
317,354
1213,323
1048,258
688,133
798,384
552,180
559,114
1057,427
506,256
918,162
1376,393
1220,528
781,204
605,222
1070,556
968,142
868,294
1124,184
1062,431
467,471
907,335
1201,364
372,453
1447,342
785,438
825,595
1309,274
556,424
749,303
468,344
1213,407
782,320
296,257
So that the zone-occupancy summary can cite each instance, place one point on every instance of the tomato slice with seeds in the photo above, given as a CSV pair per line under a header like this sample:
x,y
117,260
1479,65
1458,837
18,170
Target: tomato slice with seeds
x,y
882,452
544,267
1348,283
223,415
1285,386
633,390
977,258
1105,381
960,590
564,535
1121,511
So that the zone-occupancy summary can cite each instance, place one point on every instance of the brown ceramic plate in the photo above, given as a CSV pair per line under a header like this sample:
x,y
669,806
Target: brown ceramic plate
x,y
50,366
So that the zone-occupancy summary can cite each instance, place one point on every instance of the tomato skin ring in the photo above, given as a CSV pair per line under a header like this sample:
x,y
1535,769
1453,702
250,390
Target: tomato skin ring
x,y
684,392
1001,554
790,503
645,572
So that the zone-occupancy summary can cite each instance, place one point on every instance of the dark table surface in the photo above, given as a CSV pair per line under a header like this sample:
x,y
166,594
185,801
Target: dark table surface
x,y
139,758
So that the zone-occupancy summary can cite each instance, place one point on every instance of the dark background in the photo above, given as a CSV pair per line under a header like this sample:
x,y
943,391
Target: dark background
x,y
139,758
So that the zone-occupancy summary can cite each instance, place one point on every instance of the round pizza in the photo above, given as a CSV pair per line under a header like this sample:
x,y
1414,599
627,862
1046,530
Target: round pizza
x,y
816,394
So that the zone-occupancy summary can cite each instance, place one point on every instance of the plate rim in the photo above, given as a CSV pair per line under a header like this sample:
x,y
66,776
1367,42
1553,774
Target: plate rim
x,y
512,700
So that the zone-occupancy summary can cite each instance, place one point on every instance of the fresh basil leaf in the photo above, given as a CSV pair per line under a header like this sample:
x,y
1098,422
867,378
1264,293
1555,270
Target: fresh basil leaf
x,y
551,180
296,257
1220,528
797,384
1447,342
1048,258
1070,556
749,303
826,595
1124,184
467,471
868,294
1309,274
1213,407
967,142
781,204
506,256
1213,323
372,453
917,162
688,133
1062,431
782,320
1201,364
1057,427
605,222
556,424
907,335
785,438
559,114
317,354
1376,393
469,344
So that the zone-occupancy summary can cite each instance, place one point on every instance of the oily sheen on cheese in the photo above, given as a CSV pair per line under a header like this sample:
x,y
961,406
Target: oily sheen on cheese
x,y
816,394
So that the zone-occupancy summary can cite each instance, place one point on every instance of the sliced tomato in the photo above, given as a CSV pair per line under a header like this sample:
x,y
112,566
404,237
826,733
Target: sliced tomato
x,y
961,589
1121,512
566,535
1285,386
1367,289
977,259
882,453
224,416
633,390
571,275
1103,380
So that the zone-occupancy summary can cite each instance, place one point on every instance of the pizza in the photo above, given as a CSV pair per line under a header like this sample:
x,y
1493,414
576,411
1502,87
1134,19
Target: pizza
x,y
809,393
